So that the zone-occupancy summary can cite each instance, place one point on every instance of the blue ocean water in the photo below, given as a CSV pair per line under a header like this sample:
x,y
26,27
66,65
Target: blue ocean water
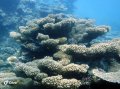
x,y
103,11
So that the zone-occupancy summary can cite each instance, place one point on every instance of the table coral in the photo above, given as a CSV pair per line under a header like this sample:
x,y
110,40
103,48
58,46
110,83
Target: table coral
x,y
110,76
98,49
45,34
59,51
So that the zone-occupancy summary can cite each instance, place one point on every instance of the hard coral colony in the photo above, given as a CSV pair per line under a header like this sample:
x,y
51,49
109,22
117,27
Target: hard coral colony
x,y
57,62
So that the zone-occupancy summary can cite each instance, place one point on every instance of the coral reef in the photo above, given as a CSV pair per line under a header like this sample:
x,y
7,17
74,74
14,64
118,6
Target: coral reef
x,y
50,73
21,11
42,36
99,49
59,52
85,31
54,51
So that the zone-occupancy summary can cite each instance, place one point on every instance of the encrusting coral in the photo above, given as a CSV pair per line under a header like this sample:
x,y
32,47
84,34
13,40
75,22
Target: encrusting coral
x,y
59,51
